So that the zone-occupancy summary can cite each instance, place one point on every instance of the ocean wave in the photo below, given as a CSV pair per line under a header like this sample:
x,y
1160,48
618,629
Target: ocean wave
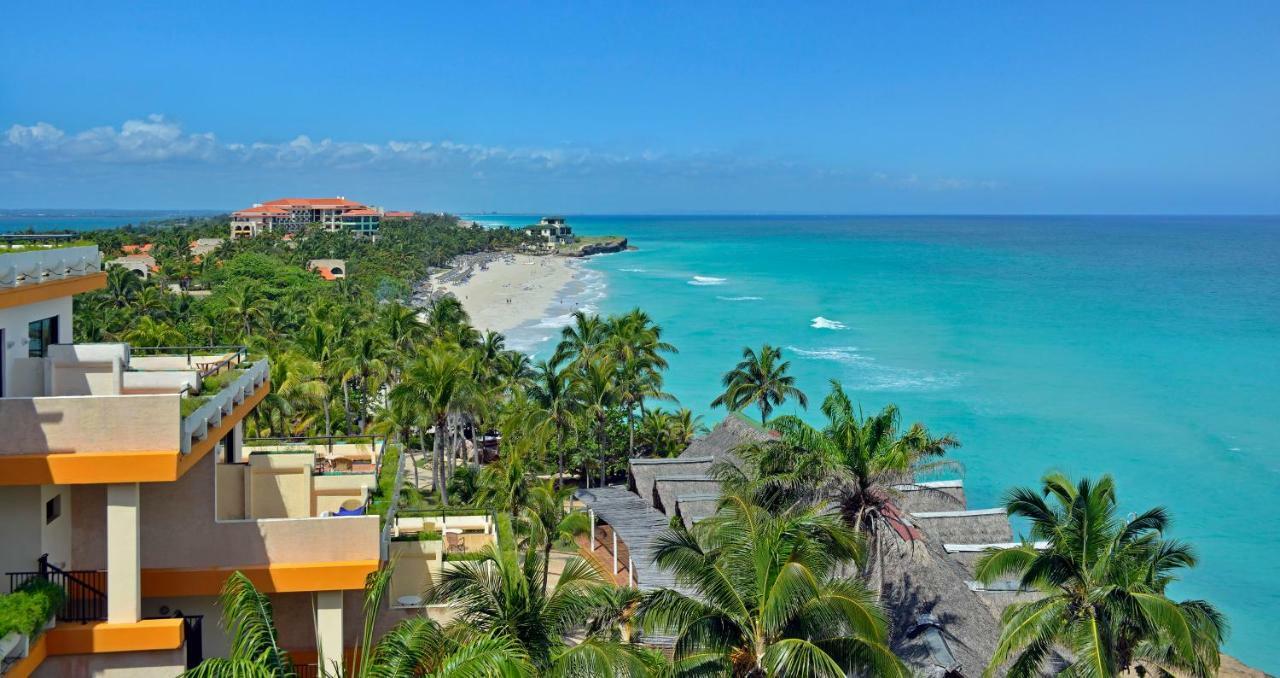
x,y
633,270
740,298
821,323
705,280
864,373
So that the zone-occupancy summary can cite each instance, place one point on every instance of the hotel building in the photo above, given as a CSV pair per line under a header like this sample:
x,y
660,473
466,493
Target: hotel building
x,y
293,214
126,479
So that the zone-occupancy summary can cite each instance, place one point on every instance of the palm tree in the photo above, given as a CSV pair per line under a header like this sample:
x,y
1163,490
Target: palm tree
x,y
122,286
759,379
436,384
501,596
1104,582
853,461
768,600
365,359
244,306
636,345
598,391
546,519
579,340
552,390
255,646
657,433
147,331
417,646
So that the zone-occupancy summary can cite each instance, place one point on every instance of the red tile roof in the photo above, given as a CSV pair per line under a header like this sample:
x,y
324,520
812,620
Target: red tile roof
x,y
136,249
360,212
397,215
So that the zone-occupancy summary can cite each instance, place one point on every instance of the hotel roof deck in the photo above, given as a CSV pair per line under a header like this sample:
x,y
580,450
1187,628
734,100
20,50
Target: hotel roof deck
x,y
93,413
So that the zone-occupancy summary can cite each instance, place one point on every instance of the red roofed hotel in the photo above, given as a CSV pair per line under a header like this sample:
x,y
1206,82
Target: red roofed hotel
x,y
293,214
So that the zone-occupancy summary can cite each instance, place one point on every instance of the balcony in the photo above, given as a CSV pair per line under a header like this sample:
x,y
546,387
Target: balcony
x,y
37,270
159,404
299,478
427,542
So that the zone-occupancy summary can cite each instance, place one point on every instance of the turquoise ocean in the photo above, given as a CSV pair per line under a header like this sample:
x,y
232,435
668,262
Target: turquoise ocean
x,y
1144,347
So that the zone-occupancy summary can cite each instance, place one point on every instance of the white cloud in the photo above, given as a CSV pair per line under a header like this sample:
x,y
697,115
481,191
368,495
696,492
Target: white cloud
x,y
157,140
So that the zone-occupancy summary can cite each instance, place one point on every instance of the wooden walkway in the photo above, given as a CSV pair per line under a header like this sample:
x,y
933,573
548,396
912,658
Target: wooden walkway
x,y
637,524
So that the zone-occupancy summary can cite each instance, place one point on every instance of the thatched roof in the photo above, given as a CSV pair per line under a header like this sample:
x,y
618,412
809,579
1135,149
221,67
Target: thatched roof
x,y
695,507
919,580
936,495
984,526
668,488
734,431
968,554
644,471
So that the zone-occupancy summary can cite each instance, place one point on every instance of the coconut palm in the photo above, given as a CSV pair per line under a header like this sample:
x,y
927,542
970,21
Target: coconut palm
x,y
122,286
436,384
245,306
598,390
255,646
768,600
657,434
546,519
501,596
759,379
1104,582
552,390
581,339
147,331
853,461
417,646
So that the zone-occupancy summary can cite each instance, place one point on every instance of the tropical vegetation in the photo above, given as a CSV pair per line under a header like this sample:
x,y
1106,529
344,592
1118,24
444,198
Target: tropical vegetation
x,y
1104,581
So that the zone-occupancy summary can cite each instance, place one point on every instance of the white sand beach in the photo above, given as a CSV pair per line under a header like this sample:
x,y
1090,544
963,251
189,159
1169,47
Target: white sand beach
x,y
513,290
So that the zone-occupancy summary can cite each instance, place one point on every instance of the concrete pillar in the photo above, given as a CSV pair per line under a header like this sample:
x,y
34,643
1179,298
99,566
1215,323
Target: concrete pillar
x,y
237,442
591,540
124,554
615,548
329,630
631,572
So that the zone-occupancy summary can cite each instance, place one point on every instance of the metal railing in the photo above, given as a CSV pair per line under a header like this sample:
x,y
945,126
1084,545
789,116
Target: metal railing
x,y
86,598
327,441
238,354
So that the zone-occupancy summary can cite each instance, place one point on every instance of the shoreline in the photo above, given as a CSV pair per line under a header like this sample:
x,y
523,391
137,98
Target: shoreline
x,y
509,291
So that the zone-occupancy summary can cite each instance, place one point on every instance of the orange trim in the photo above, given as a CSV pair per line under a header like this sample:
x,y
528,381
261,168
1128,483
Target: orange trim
x,y
278,578
99,637
80,468
53,289
88,468
28,664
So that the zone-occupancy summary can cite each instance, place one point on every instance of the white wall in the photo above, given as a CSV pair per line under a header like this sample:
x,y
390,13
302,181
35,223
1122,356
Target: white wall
x,y
14,323
20,529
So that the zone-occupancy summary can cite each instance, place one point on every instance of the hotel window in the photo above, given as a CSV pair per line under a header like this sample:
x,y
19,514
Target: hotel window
x,y
52,509
40,335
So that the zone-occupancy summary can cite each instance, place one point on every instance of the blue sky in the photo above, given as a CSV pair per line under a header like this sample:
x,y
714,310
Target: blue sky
x,y
619,107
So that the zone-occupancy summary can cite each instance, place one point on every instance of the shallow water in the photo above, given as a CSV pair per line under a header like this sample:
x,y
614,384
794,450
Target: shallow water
x,y
1143,347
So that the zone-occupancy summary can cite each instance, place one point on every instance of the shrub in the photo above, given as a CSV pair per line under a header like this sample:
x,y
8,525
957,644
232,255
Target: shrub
x,y
28,608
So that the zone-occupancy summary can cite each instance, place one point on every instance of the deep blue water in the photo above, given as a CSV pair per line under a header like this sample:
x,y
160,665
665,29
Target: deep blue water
x,y
1141,347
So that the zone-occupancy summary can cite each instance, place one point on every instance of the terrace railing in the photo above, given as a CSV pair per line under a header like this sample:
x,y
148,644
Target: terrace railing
x,y
234,356
196,425
86,598
29,267
327,441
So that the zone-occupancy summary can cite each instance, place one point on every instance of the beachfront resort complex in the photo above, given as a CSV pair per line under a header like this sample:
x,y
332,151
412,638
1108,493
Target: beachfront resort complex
x,y
128,487
290,215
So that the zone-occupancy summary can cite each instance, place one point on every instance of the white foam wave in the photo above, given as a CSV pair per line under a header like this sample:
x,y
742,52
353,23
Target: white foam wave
x,y
740,298
633,270
705,280
821,323
864,373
